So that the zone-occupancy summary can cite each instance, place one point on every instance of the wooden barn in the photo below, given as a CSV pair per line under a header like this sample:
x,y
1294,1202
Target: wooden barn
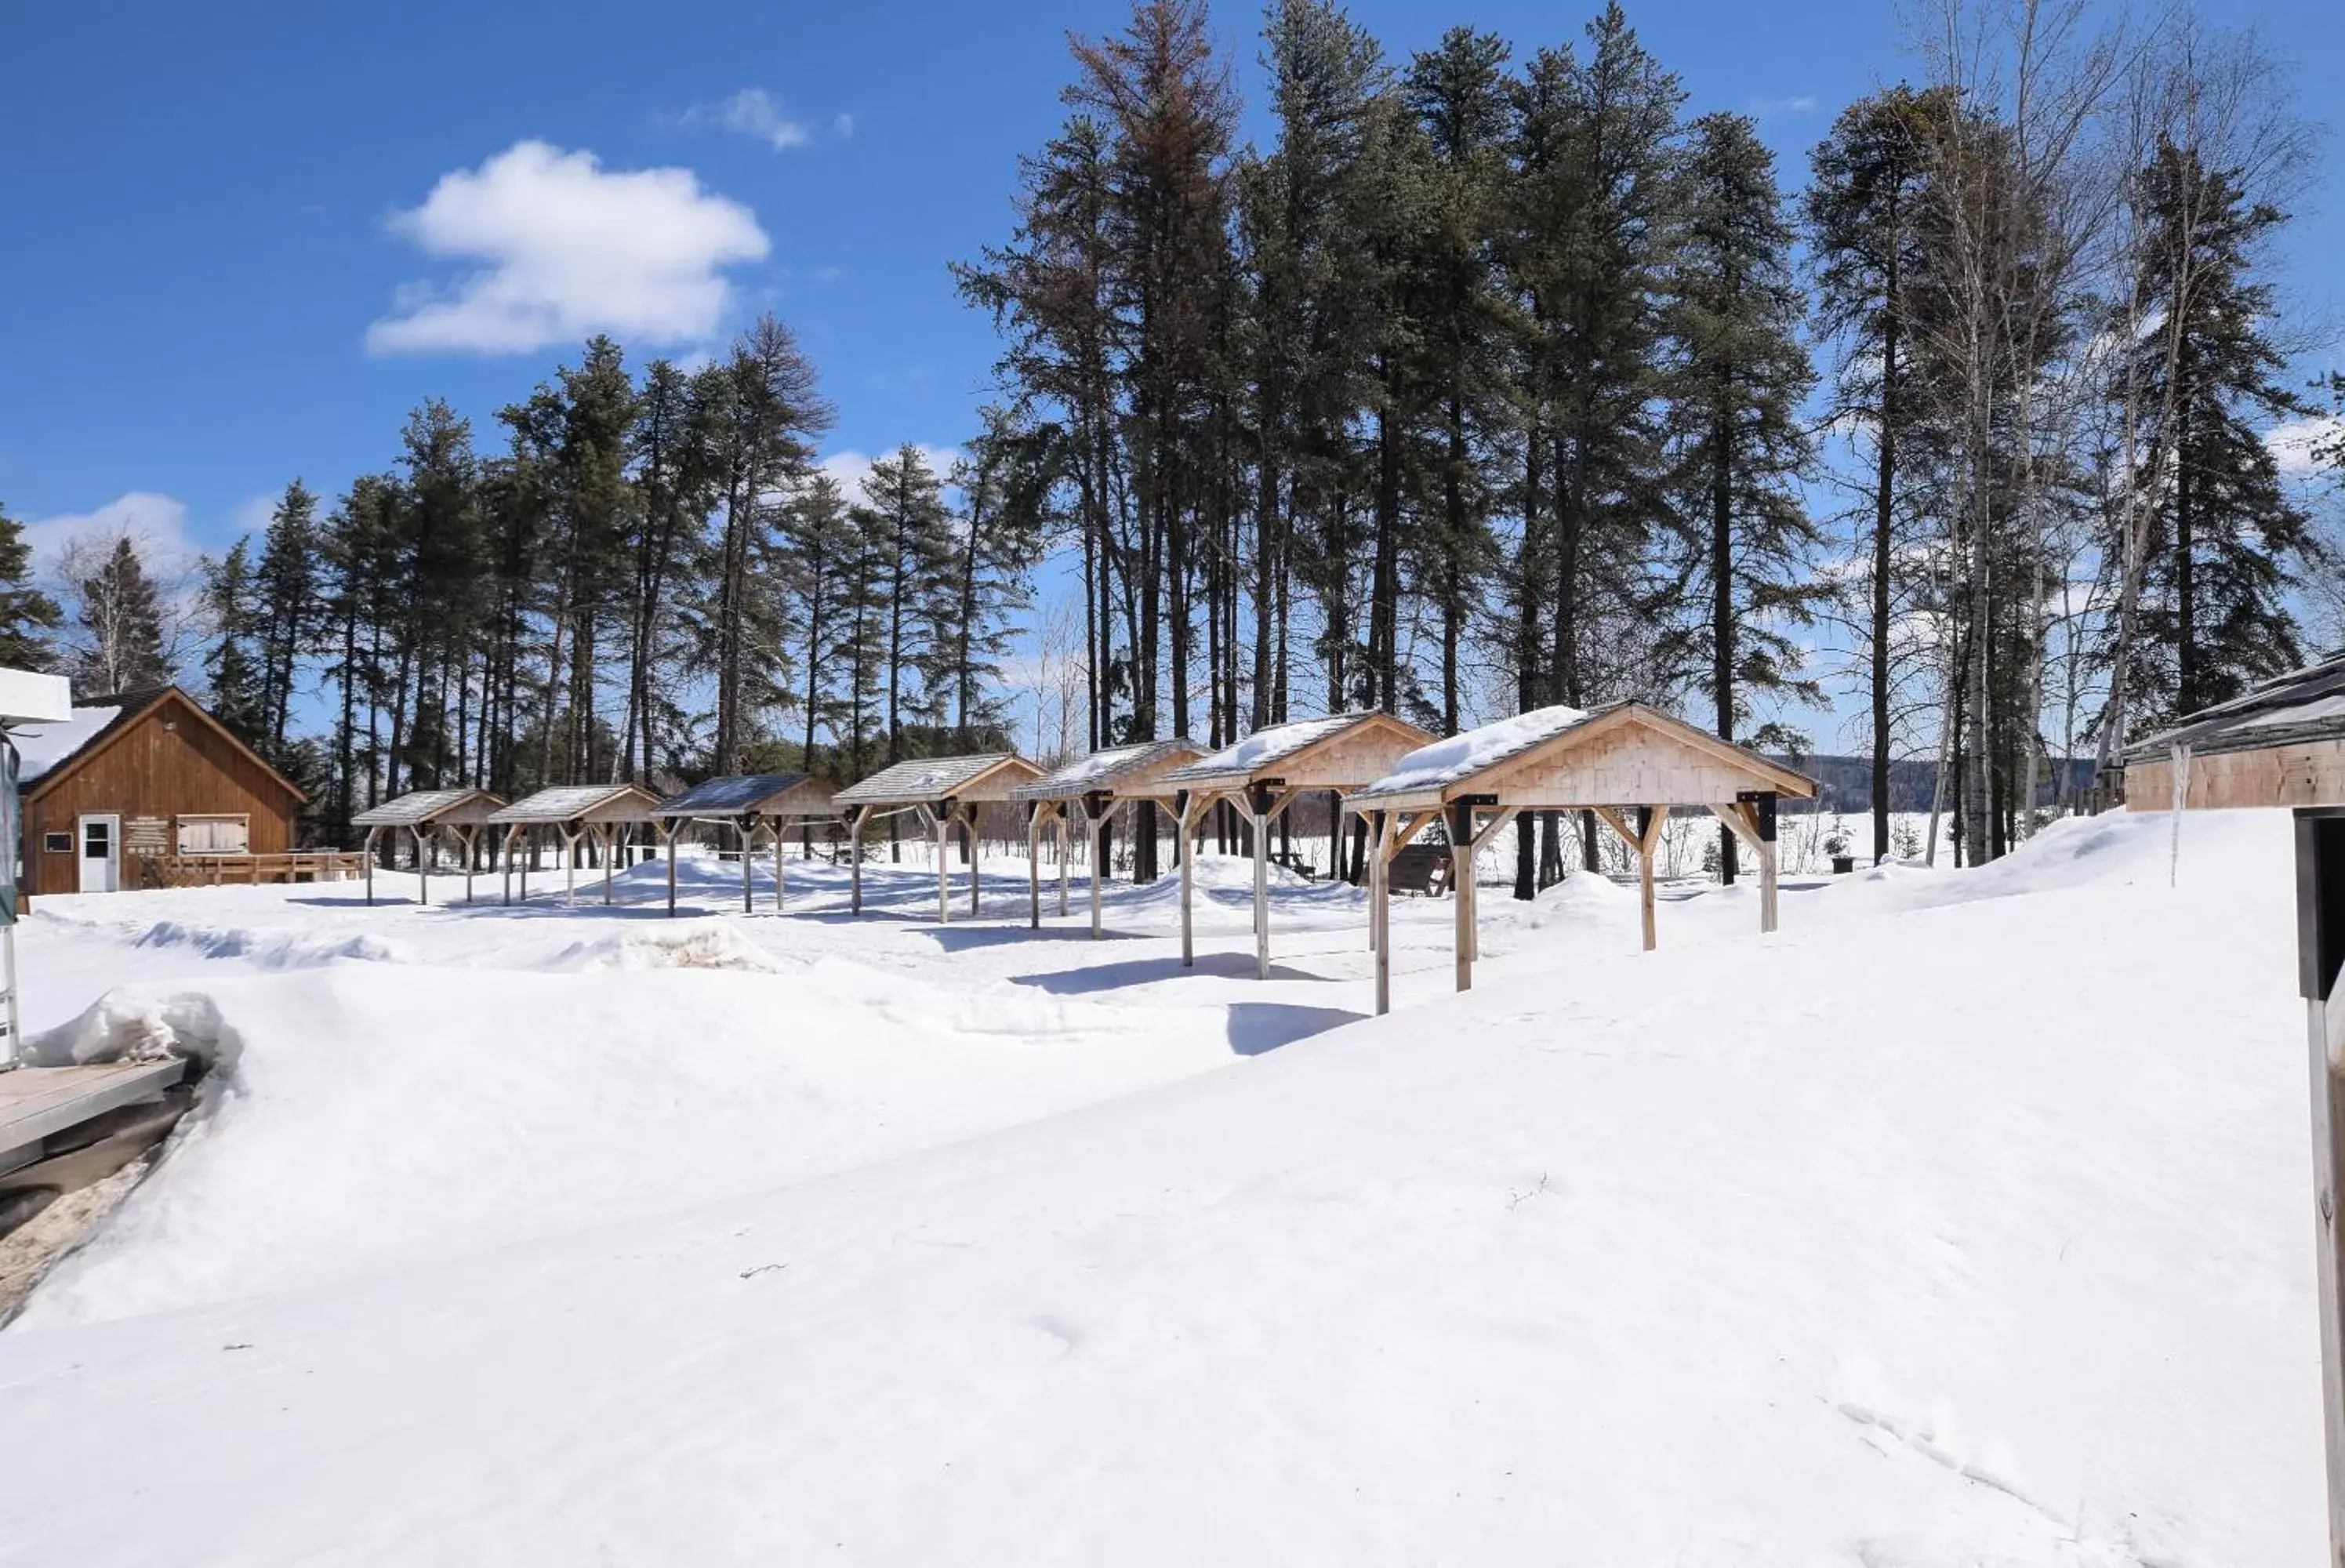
x,y
147,789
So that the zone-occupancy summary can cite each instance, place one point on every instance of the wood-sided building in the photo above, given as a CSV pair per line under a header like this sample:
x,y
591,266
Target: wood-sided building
x,y
135,788
2282,743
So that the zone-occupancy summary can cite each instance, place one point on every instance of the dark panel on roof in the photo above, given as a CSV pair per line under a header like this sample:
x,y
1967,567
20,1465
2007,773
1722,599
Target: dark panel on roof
x,y
731,795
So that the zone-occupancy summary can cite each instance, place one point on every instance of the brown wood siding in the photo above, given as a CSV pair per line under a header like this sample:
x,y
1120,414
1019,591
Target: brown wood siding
x,y
168,764
2310,773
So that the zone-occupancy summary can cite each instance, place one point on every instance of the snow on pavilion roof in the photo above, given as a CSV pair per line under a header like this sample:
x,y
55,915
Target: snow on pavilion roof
x,y
729,796
1263,747
1102,768
925,778
1462,755
1444,764
2307,705
419,807
561,804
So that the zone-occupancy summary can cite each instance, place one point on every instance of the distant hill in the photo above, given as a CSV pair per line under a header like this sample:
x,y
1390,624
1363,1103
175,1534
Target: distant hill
x,y
1847,781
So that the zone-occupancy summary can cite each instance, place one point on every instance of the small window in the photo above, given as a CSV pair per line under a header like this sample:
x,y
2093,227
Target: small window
x,y
57,843
215,835
97,839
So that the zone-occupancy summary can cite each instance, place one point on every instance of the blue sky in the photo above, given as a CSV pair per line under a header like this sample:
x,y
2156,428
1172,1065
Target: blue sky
x,y
208,285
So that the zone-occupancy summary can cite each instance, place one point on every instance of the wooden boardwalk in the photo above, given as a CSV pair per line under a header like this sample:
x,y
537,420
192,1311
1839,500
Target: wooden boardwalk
x,y
37,1103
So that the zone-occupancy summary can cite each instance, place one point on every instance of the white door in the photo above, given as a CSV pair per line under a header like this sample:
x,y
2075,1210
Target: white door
x,y
101,853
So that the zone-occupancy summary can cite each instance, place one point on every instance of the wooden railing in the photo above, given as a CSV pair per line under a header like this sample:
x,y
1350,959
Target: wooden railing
x,y
291,866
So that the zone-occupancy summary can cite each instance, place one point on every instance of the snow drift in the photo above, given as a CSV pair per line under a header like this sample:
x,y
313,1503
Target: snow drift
x,y
1972,1234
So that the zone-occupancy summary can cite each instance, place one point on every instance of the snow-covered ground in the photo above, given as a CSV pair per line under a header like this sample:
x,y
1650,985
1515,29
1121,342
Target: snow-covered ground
x,y
1963,1222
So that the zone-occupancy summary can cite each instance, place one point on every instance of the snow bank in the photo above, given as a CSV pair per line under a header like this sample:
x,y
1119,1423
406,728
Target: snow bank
x,y
702,944
135,1025
268,949
1582,901
366,1114
1965,1234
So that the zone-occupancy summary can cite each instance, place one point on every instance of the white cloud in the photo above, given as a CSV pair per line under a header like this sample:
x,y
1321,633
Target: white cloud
x,y
2291,444
156,524
842,125
251,514
569,251
1803,104
756,114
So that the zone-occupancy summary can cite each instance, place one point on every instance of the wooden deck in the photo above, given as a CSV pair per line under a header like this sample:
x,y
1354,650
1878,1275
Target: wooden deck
x,y
37,1102
293,865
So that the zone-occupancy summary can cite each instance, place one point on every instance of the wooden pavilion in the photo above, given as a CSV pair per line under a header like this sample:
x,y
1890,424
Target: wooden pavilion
x,y
1263,774
572,812
1629,757
2282,743
745,803
940,790
1095,788
425,814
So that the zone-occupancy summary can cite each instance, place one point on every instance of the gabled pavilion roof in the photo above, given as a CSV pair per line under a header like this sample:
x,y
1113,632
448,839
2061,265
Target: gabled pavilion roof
x,y
925,779
1103,769
568,803
736,794
1282,745
2307,705
1497,754
417,808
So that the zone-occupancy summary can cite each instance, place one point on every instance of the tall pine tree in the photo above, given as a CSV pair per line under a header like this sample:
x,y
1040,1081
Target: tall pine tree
x,y
28,617
120,615
1863,210
1736,437
2215,617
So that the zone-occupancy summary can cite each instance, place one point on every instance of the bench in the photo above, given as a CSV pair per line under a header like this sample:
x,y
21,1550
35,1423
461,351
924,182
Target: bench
x,y
1421,868
1296,863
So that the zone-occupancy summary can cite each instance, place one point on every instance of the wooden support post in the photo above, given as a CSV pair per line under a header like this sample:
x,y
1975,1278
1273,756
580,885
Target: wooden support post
x,y
969,836
423,865
1461,890
607,840
1769,913
513,833
469,836
1650,820
1645,877
1380,906
2321,953
855,860
1066,857
569,865
1034,865
780,892
943,870
1181,804
1095,825
1257,810
746,826
666,829
370,863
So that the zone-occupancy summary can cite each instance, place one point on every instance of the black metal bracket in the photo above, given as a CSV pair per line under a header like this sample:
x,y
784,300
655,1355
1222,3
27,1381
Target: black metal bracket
x,y
1763,804
2319,900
